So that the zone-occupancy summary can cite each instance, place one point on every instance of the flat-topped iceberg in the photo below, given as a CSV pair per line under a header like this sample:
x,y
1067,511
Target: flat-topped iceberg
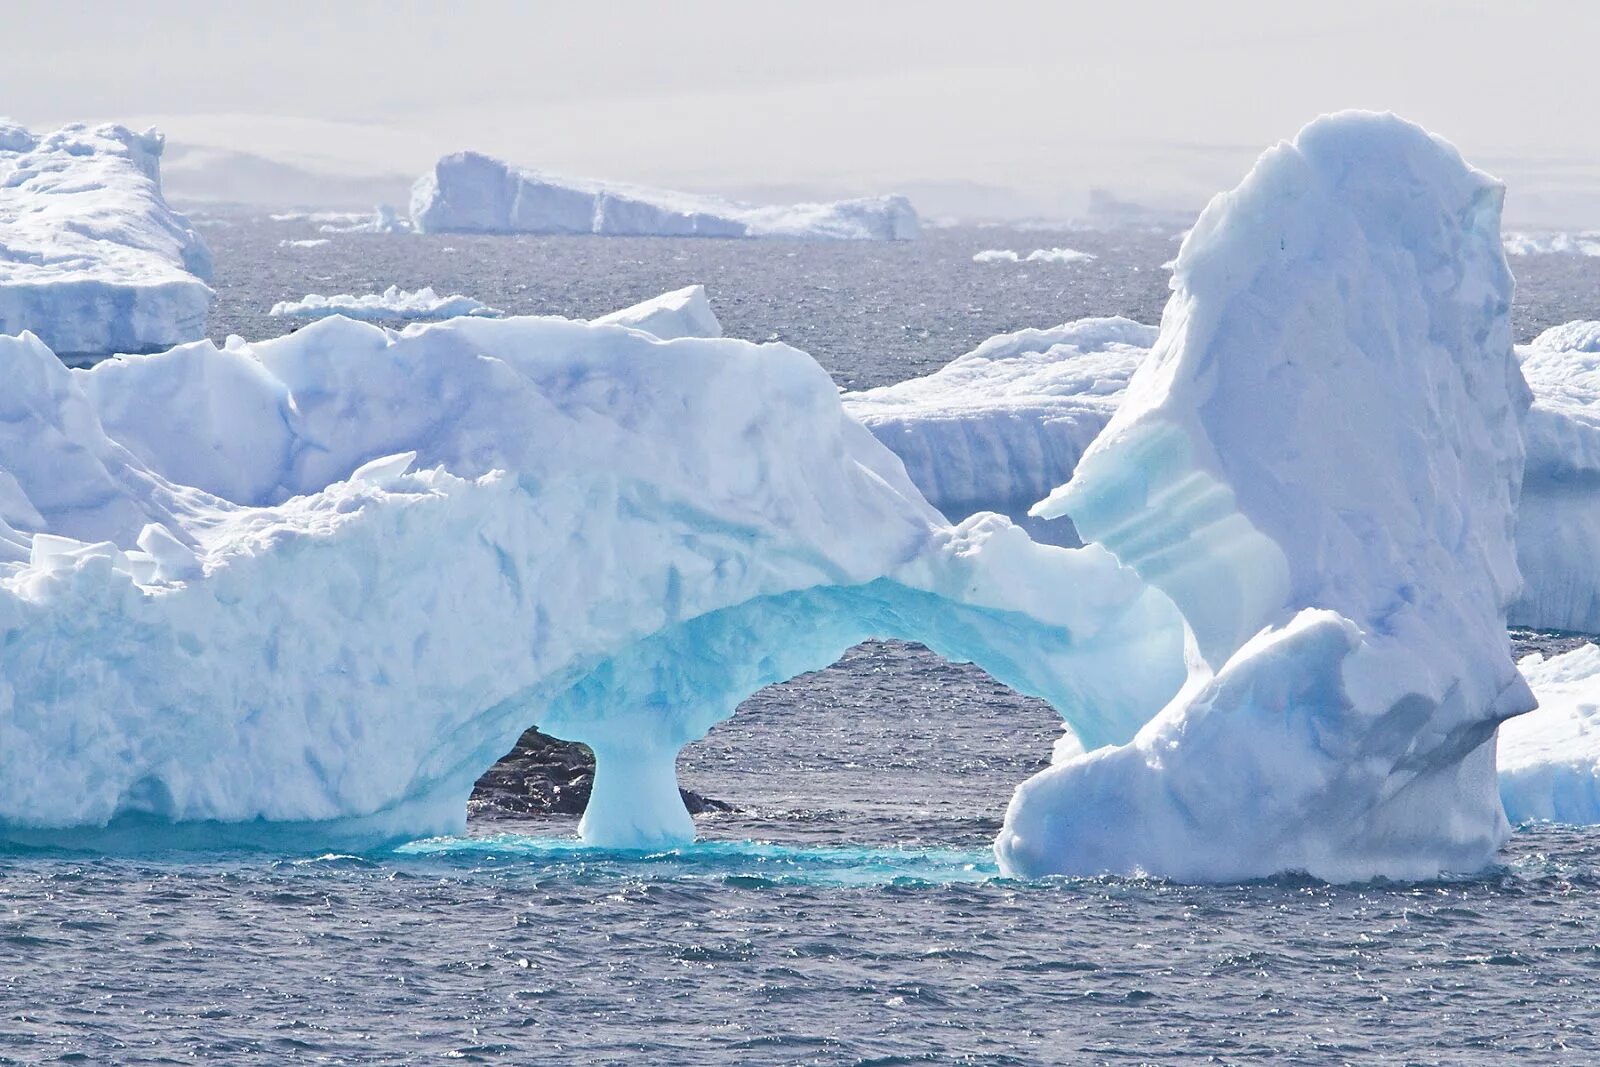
x,y
1000,427
92,260
1319,464
473,193
392,305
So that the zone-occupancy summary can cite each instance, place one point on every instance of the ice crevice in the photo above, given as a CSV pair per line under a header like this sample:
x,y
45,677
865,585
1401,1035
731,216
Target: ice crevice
x,y
310,588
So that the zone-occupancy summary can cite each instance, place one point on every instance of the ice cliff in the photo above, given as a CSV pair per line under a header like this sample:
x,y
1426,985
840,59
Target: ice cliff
x,y
92,259
473,193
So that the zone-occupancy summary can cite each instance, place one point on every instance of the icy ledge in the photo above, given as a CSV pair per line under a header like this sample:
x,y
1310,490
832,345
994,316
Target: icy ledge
x,y
473,193
1319,464
92,259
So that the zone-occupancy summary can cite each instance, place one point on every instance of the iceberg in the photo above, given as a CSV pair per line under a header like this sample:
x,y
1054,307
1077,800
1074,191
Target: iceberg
x,y
1319,464
92,260
683,312
384,219
1558,520
303,592
1550,758
473,193
1001,426
392,305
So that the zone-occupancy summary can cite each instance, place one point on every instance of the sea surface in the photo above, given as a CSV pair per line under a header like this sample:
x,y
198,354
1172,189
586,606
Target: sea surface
x,y
849,911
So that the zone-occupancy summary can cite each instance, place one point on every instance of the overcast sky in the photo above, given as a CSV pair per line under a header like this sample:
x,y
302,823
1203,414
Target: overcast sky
x,y
1163,101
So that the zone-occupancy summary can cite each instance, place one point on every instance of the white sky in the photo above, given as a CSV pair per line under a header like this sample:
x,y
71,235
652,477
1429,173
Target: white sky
x,y
1166,101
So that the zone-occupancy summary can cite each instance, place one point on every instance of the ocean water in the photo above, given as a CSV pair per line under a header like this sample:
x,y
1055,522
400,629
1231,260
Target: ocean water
x,y
849,911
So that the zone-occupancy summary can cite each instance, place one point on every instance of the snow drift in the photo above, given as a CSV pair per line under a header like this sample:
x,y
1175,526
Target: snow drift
x,y
472,193
1319,464
683,312
92,259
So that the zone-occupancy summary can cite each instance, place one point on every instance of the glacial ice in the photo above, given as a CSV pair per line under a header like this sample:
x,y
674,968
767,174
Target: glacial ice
x,y
92,259
1000,427
1319,464
304,591
683,312
473,193
392,305
1550,758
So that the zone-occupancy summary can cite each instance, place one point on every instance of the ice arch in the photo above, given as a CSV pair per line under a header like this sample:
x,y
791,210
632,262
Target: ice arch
x,y
234,607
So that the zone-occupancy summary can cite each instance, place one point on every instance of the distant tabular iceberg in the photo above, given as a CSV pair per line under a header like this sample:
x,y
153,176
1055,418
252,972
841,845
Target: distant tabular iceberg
x,y
472,193
91,257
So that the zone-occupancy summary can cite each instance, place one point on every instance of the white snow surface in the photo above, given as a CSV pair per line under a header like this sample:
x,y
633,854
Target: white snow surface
x,y
392,305
1000,427
683,312
1550,758
305,591
1319,463
473,193
92,259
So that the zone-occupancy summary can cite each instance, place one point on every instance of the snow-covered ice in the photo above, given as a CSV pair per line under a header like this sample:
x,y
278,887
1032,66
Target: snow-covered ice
x,y
473,193
1000,427
92,259
1550,758
392,305
1319,464
683,312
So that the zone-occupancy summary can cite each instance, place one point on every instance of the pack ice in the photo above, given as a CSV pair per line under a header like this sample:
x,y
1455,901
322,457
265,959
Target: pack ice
x,y
473,193
92,260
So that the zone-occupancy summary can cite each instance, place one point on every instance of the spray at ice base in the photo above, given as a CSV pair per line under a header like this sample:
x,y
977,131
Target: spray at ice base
x,y
1320,465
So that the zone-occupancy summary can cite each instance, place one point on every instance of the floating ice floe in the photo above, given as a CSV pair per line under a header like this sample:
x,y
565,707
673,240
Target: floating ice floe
x,y
306,242
472,193
92,259
1570,244
392,305
1038,255
683,312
